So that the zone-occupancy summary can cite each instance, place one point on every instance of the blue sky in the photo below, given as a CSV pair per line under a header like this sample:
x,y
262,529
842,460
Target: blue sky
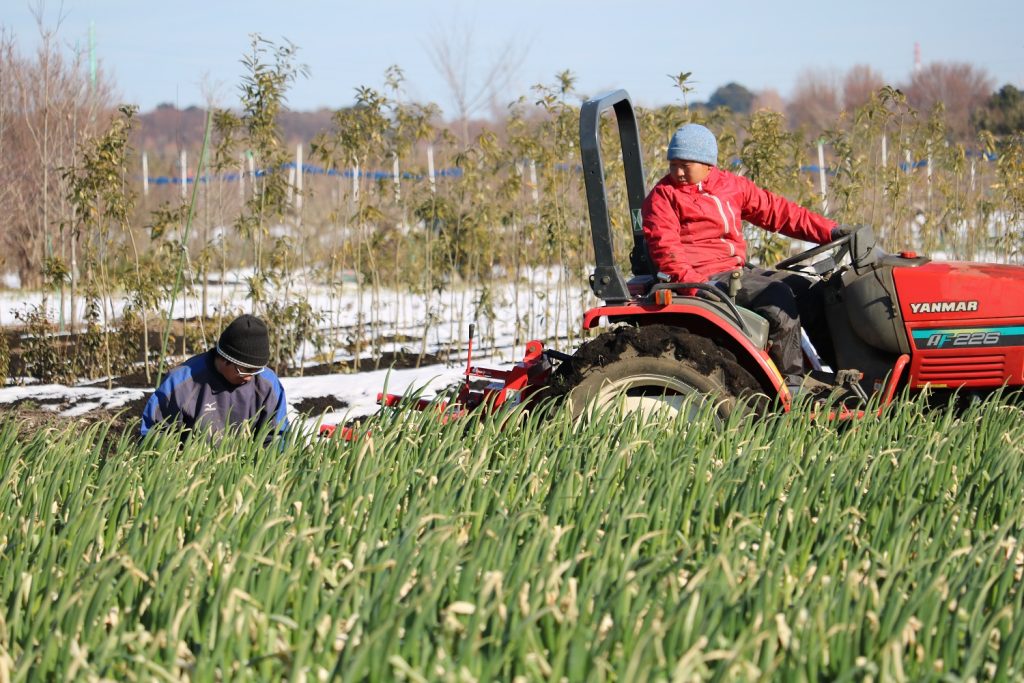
x,y
178,50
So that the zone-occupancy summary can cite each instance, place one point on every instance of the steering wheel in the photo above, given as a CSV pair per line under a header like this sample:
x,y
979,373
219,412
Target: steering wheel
x,y
841,245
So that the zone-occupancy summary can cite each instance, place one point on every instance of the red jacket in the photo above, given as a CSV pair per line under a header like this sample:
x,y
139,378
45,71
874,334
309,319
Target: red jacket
x,y
696,231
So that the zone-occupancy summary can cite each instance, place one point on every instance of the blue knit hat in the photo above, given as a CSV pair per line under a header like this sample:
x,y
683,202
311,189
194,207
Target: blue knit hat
x,y
694,142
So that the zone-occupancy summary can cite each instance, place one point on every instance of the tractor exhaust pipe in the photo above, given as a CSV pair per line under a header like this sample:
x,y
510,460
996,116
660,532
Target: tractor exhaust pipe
x,y
469,349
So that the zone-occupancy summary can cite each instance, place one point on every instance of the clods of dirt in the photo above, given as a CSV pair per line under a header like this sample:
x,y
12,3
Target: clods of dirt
x,y
317,405
397,360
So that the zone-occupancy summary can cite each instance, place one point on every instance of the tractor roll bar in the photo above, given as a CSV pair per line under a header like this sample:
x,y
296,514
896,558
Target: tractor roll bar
x,y
607,281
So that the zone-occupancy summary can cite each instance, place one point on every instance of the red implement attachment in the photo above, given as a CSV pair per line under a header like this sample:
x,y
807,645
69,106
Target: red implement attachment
x,y
482,388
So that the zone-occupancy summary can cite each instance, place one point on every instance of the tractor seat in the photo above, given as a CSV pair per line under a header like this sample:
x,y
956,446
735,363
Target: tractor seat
x,y
757,326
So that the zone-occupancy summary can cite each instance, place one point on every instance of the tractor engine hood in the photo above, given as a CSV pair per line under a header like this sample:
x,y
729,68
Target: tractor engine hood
x,y
949,292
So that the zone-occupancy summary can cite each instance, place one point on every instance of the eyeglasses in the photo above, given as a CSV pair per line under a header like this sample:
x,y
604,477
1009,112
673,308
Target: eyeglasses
x,y
242,370
247,372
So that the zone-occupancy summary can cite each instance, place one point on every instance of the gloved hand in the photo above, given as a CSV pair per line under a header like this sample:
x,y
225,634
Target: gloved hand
x,y
843,230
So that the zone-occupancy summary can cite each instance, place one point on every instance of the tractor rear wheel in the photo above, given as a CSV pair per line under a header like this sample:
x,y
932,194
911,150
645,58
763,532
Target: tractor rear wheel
x,y
657,367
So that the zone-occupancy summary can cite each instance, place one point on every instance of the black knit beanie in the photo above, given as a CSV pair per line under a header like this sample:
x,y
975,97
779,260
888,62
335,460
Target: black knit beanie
x,y
245,342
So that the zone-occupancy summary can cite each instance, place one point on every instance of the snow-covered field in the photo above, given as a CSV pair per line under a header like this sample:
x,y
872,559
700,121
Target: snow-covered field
x,y
359,391
509,317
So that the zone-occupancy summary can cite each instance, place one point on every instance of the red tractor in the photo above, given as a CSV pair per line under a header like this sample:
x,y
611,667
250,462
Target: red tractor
x,y
894,321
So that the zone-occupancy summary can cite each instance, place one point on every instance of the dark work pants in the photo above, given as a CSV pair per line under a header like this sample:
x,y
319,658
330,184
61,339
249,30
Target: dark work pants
x,y
785,299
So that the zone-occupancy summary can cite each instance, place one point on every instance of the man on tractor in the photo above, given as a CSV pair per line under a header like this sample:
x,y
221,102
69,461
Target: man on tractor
x,y
692,220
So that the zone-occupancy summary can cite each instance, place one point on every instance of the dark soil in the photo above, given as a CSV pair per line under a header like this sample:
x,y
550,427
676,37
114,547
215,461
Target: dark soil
x,y
43,413
32,403
33,417
134,380
317,405
36,414
399,360
67,343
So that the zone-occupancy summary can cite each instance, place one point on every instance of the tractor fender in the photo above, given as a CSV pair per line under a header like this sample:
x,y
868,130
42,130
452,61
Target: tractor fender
x,y
701,320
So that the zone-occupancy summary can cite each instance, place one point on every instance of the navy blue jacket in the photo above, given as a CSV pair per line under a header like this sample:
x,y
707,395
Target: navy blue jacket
x,y
195,395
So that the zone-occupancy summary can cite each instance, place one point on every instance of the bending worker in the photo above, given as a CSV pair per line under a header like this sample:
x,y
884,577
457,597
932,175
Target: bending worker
x,y
693,221
224,387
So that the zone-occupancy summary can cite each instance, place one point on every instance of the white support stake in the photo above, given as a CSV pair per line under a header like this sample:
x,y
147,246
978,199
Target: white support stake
x,y
252,171
355,184
298,177
184,174
885,160
533,182
145,174
430,168
821,176
929,176
396,176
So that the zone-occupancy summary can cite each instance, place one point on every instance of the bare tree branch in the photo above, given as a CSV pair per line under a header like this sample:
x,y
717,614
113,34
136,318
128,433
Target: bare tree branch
x,y
472,91
958,87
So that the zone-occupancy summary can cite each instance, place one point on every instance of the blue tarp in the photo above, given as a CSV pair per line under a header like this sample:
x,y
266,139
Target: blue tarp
x,y
311,169
307,169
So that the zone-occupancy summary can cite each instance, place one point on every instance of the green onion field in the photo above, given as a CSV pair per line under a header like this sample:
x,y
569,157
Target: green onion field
x,y
529,550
